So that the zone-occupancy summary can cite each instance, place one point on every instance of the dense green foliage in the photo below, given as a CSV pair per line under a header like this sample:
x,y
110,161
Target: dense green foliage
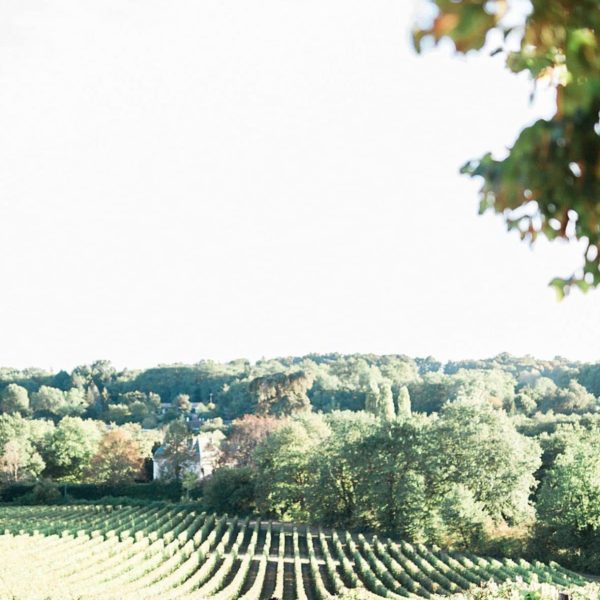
x,y
46,491
168,551
549,183
477,454
73,450
466,477
231,490
569,501
352,470
287,386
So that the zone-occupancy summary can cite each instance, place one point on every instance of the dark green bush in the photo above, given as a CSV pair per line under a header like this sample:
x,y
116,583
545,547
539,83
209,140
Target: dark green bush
x,y
231,490
154,490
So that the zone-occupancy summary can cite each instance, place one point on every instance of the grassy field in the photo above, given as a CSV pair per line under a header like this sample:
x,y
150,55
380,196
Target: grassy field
x,y
173,551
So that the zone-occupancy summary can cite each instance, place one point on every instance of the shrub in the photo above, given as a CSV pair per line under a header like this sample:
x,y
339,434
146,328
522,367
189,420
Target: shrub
x,y
231,490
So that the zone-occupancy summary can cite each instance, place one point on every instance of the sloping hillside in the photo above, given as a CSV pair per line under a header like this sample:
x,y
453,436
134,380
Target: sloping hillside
x,y
173,551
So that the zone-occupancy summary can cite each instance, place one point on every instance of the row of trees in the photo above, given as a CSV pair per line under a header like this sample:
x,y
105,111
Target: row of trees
x,y
74,450
281,387
400,475
464,477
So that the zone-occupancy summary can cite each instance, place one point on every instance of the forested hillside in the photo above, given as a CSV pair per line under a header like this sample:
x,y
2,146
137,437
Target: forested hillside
x,y
282,386
497,456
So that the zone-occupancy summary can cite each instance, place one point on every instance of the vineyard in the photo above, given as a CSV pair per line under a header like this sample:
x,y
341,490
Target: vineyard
x,y
174,551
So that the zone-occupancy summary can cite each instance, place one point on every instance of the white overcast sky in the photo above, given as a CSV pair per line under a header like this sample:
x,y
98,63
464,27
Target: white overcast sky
x,y
227,178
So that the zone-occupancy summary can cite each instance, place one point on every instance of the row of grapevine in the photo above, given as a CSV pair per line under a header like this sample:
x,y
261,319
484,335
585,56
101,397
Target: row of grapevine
x,y
175,552
300,589
278,591
320,586
255,589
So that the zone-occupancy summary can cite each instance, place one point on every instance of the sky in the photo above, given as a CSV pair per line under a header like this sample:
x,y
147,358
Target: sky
x,y
189,180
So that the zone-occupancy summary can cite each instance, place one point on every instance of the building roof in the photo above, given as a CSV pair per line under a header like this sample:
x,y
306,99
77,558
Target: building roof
x,y
159,452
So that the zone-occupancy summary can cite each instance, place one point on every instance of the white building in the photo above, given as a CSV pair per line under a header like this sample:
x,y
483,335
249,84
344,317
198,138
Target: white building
x,y
204,449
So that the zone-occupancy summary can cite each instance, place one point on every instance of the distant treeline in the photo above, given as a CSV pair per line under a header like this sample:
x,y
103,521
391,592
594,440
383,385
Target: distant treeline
x,y
284,386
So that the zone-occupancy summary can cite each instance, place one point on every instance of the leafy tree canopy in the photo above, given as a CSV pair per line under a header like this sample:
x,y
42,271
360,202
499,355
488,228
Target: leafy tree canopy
x,y
70,447
549,184
14,399
178,452
231,490
118,458
282,393
569,502
245,435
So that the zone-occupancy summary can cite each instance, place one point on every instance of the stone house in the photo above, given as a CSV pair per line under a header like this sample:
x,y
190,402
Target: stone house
x,y
204,449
